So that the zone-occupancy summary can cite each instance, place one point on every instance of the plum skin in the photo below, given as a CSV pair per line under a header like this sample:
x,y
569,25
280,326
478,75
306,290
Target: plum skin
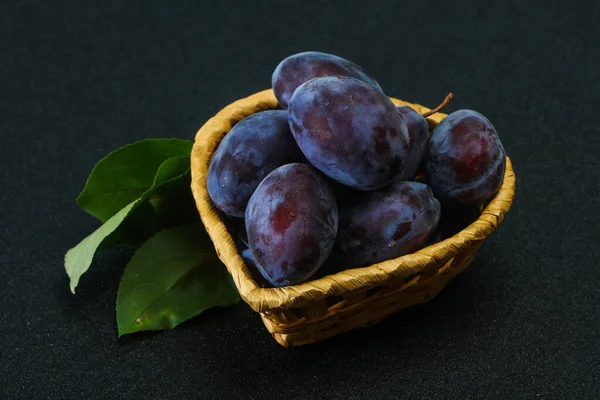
x,y
291,222
299,68
385,224
351,132
418,132
465,160
254,147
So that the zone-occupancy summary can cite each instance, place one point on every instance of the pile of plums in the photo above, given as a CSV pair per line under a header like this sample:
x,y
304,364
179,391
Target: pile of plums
x,y
330,181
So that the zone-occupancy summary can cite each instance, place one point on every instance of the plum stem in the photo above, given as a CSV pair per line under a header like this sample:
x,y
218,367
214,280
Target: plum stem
x,y
438,108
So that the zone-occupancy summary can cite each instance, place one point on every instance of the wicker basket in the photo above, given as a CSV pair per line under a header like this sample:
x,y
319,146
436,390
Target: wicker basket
x,y
324,307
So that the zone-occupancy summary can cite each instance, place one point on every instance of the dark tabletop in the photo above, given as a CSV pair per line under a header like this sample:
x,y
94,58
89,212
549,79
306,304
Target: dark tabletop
x,y
80,79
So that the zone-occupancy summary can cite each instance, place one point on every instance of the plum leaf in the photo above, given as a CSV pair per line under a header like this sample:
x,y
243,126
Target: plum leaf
x,y
79,258
136,221
125,174
172,277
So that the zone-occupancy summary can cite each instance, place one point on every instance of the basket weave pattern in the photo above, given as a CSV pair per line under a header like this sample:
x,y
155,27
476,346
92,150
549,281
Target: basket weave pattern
x,y
324,307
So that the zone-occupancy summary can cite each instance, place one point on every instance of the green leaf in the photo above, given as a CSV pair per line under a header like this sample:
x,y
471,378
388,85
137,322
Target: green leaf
x,y
79,258
171,169
172,184
172,277
139,226
125,174
133,224
174,203
172,187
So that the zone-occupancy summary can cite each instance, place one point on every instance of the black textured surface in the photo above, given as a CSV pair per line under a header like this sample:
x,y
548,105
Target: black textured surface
x,y
83,78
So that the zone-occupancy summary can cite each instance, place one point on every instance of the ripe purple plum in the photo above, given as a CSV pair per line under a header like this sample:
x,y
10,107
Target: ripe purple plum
x,y
418,131
301,67
465,160
351,132
385,224
253,148
291,222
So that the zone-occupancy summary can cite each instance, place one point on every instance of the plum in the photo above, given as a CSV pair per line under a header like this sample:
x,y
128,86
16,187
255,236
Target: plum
x,y
301,67
465,160
349,131
291,222
254,147
385,224
418,132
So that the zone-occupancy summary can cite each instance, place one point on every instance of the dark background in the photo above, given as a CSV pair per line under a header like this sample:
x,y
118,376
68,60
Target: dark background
x,y
80,79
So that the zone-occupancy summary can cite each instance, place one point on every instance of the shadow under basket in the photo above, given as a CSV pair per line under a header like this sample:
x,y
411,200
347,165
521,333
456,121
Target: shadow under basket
x,y
324,307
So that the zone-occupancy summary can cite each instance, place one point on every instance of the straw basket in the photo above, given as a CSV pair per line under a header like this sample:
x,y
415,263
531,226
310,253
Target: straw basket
x,y
324,307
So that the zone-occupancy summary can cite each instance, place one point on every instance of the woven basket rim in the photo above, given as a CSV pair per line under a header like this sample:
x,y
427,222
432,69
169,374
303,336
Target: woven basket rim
x,y
266,299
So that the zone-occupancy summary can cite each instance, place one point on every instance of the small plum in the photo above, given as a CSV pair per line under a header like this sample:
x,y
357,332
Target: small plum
x,y
418,131
465,160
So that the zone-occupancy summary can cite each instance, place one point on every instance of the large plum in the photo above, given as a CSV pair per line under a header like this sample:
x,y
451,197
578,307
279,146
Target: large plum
x,y
351,132
465,160
385,224
291,222
418,132
254,147
301,67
